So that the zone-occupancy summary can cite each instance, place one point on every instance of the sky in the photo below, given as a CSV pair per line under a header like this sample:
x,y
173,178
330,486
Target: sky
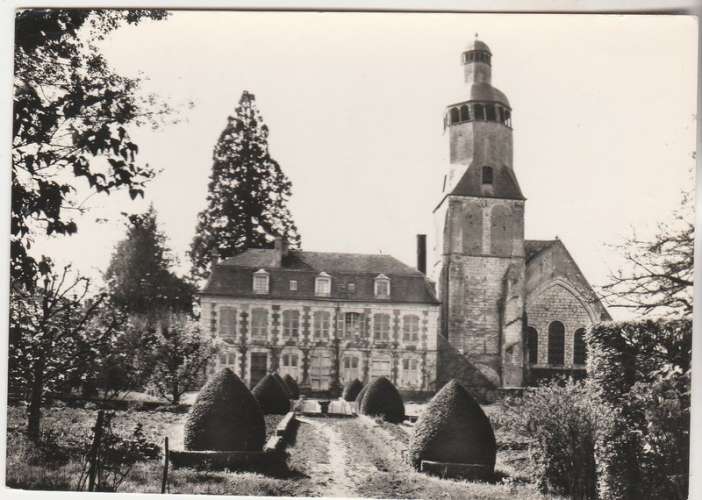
x,y
603,116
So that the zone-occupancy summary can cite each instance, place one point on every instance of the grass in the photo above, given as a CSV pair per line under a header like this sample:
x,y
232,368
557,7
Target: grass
x,y
372,452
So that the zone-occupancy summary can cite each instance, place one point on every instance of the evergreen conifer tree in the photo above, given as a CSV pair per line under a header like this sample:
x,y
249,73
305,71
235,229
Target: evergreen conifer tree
x,y
247,194
138,277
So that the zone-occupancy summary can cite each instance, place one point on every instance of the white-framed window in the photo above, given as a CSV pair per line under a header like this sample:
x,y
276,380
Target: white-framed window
x,y
381,326
382,286
350,368
352,324
293,285
410,328
411,377
322,285
291,323
289,360
261,281
259,323
321,324
227,360
227,322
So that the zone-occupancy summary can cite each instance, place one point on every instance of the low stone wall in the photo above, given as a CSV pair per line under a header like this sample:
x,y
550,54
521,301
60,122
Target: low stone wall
x,y
272,457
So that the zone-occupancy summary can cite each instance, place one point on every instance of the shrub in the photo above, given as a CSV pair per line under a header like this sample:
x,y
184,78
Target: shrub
x,y
352,389
271,396
562,421
115,455
642,371
283,384
383,400
360,395
453,428
225,417
292,385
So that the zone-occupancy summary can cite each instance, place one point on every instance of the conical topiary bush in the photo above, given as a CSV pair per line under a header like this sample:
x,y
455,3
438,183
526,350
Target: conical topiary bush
x,y
453,428
383,399
359,398
292,385
284,385
271,396
352,389
225,417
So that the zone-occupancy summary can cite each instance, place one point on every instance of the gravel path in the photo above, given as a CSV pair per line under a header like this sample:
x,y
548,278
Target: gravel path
x,y
330,473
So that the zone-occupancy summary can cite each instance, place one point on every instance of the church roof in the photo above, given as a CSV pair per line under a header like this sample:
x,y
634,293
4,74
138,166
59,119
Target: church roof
x,y
505,184
477,45
532,248
233,276
482,91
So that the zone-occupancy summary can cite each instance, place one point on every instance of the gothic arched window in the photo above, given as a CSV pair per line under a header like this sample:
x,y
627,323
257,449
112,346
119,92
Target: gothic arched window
x,y
556,343
579,347
465,115
533,345
454,116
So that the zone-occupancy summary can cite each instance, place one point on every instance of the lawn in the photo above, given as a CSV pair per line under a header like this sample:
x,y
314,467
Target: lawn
x,y
327,457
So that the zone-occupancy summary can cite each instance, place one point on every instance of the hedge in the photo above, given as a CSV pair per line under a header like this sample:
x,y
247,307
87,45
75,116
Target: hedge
x,y
352,389
453,428
383,400
292,385
271,396
283,384
225,417
642,371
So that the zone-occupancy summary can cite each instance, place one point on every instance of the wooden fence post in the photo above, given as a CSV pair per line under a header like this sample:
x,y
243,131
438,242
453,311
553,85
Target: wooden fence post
x,y
93,457
164,480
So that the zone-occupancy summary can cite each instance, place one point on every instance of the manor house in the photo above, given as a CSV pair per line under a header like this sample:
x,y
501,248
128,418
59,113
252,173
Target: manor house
x,y
496,311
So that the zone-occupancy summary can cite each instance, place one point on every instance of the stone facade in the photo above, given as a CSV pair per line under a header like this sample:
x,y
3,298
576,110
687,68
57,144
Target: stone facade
x,y
509,306
323,355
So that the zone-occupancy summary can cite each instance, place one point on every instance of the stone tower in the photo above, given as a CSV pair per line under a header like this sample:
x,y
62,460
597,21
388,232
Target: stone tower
x,y
479,264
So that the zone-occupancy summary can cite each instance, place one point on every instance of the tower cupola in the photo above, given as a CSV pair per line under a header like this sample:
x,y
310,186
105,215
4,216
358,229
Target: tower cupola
x,y
480,133
476,60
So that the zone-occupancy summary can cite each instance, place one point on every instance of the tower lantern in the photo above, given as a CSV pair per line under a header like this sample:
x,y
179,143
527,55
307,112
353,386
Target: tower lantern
x,y
477,64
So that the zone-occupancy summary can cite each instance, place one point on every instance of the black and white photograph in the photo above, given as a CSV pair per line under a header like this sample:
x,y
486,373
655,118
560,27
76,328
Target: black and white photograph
x,y
349,254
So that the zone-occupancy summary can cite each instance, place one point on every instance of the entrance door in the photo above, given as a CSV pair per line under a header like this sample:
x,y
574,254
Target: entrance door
x,y
259,366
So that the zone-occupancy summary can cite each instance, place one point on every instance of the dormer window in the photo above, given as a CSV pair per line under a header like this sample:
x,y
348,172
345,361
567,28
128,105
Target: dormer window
x,y
260,282
487,175
322,285
382,286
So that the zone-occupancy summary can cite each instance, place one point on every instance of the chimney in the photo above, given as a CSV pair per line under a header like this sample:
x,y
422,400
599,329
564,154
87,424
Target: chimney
x,y
422,253
280,245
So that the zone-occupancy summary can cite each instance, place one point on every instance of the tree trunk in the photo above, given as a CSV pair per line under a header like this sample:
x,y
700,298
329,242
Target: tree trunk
x,y
175,392
34,410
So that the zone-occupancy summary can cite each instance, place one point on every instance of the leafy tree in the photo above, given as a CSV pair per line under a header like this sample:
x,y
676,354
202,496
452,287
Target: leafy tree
x,y
248,193
71,116
52,328
138,277
125,362
658,272
179,357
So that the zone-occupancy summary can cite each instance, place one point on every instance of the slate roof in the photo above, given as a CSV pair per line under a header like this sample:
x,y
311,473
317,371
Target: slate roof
x,y
477,45
532,248
505,184
234,276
